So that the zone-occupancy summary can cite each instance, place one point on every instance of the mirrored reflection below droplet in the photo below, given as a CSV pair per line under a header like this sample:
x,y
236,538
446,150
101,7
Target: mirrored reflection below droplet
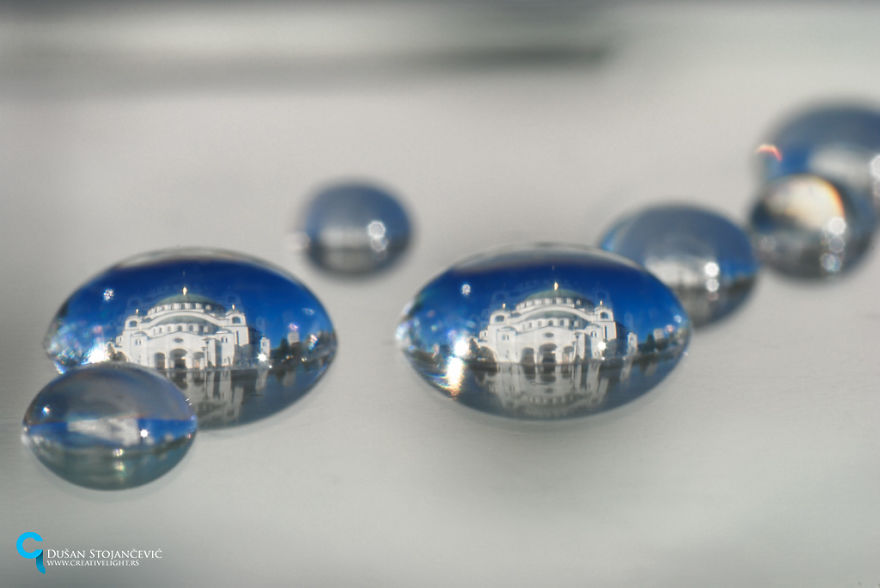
x,y
544,332
838,141
240,337
704,258
110,427
355,228
804,225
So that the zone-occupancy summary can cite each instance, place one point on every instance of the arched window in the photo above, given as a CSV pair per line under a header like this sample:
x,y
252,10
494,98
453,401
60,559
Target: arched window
x,y
236,320
604,314
132,323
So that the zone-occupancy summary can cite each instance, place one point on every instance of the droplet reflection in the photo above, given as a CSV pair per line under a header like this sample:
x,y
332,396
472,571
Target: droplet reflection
x,y
241,338
706,259
109,427
354,228
838,141
544,332
808,226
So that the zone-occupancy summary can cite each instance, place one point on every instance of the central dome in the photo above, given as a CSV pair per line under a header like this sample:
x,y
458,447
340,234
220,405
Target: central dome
x,y
192,299
556,293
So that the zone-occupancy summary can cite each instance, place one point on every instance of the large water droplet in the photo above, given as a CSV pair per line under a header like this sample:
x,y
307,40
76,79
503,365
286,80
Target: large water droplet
x,y
110,426
807,226
706,259
544,332
355,228
241,338
837,141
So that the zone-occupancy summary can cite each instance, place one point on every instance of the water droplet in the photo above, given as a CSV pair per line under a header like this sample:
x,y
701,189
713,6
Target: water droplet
x,y
241,338
544,332
807,226
837,141
355,228
706,259
109,427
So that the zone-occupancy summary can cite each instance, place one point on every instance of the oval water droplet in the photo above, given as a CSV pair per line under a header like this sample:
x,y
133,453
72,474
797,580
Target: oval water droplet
x,y
807,226
355,228
241,338
544,332
838,141
704,258
110,427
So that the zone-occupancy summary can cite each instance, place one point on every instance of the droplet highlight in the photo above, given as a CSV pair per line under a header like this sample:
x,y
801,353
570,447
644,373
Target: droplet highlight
x,y
109,427
242,339
355,228
807,226
706,259
544,332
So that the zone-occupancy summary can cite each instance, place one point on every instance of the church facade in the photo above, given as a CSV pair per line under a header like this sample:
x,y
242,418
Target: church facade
x,y
189,331
554,327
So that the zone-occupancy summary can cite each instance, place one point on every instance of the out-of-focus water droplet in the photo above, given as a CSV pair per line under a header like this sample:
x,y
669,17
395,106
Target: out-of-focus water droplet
x,y
544,332
807,226
242,338
355,228
836,141
703,257
110,427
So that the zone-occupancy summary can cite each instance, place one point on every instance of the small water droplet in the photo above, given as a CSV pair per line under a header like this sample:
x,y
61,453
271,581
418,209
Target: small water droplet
x,y
704,258
807,226
545,332
839,141
109,427
242,338
354,228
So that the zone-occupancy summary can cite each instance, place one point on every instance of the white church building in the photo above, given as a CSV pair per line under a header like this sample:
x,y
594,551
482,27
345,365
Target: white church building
x,y
555,326
189,331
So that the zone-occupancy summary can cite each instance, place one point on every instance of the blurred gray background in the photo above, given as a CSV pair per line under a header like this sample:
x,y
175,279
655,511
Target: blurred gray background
x,y
131,128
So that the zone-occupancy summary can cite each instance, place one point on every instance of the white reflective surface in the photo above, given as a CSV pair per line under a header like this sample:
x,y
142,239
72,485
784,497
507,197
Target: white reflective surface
x,y
754,464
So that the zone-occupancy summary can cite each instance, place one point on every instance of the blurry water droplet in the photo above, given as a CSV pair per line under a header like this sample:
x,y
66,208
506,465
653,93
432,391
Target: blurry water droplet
x,y
837,141
354,228
242,338
109,427
706,259
807,226
544,332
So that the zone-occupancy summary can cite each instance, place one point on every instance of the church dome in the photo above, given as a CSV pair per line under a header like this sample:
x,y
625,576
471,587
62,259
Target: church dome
x,y
556,293
192,299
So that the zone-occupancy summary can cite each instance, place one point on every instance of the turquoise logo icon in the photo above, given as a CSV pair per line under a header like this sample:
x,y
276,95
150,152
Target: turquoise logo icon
x,y
36,554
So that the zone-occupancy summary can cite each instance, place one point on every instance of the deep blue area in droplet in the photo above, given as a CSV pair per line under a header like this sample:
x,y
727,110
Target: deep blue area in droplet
x,y
109,426
705,258
355,227
447,331
264,342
